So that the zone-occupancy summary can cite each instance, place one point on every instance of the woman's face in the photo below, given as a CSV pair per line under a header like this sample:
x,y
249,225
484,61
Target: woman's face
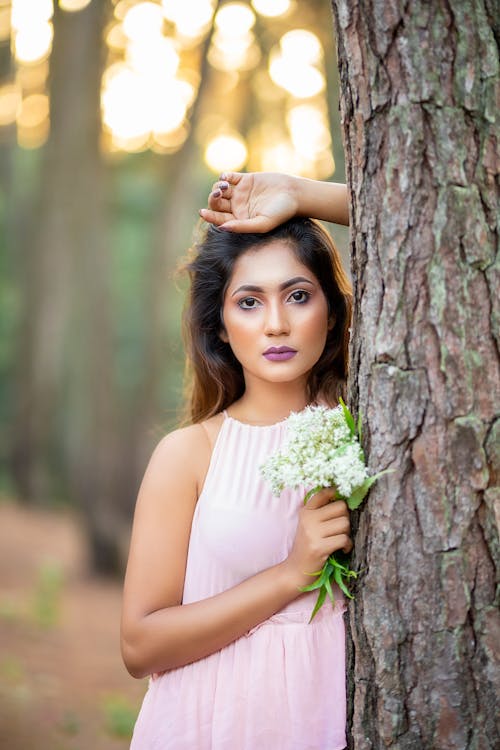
x,y
275,315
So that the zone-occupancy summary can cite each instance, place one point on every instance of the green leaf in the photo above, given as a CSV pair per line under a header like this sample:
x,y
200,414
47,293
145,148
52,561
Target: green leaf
x,y
348,417
328,587
359,494
312,492
319,602
340,583
312,586
322,574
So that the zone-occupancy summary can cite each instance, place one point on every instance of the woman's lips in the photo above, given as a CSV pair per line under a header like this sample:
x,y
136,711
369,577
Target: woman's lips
x,y
279,353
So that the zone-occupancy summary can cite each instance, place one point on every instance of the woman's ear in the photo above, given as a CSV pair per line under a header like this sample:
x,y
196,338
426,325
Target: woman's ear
x,y
331,322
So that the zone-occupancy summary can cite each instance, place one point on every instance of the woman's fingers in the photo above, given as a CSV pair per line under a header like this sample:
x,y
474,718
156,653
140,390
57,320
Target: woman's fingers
x,y
320,498
215,217
232,177
336,527
256,224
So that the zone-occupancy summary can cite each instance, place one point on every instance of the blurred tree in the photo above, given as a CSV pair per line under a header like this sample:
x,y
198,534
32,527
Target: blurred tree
x,y
139,92
419,87
65,362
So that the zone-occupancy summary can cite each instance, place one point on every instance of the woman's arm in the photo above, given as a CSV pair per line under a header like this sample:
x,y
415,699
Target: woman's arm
x,y
159,633
259,201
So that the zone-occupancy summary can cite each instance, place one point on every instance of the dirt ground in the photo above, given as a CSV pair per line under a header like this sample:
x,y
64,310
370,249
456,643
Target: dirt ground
x,y
62,683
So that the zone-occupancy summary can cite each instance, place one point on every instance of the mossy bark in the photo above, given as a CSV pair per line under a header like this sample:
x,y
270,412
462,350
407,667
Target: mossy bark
x,y
420,93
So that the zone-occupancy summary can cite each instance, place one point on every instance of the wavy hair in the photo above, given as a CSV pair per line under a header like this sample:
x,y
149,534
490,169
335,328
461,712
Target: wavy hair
x,y
214,375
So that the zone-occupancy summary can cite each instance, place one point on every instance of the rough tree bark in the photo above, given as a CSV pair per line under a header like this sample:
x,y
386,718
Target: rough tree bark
x,y
419,82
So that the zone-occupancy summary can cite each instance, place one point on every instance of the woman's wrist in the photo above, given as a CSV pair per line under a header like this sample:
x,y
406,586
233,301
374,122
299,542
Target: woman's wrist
x,y
290,581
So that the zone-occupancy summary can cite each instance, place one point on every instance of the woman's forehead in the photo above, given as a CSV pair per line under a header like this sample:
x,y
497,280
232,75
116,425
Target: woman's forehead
x,y
267,265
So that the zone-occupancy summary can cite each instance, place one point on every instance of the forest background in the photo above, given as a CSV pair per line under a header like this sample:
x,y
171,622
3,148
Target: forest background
x,y
115,118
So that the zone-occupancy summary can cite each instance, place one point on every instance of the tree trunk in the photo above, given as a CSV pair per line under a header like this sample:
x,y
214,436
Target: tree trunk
x,y
65,432
418,109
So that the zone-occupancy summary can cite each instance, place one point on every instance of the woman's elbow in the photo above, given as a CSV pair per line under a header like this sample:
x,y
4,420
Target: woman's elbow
x,y
133,656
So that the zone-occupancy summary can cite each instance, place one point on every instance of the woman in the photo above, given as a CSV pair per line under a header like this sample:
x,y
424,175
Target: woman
x,y
212,602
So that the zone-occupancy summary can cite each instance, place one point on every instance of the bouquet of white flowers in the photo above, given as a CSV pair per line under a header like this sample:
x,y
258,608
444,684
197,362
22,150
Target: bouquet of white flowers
x,y
323,449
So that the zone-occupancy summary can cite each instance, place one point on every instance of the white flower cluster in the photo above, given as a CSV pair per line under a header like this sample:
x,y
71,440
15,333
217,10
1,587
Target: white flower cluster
x,y
320,451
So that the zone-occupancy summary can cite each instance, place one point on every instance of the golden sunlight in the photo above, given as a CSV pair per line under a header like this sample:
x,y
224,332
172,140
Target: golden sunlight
x,y
10,103
5,26
308,130
29,13
33,42
234,18
190,17
226,151
72,6
143,21
153,56
271,8
302,44
33,121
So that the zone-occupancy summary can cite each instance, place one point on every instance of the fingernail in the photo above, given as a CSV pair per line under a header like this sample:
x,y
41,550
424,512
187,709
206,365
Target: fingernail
x,y
223,185
223,176
216,194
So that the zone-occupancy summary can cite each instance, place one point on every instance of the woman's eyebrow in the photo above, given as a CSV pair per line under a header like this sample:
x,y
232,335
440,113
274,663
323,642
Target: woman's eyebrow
x,y
284,285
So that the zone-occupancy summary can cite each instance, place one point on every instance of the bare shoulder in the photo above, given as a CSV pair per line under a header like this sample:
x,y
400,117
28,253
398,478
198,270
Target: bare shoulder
x,y
187,452
212,426
180,442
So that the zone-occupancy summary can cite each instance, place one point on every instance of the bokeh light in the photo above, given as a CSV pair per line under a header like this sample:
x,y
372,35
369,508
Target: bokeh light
x,y
293,64
271,8
5,25
303,45
153,73
234,19
33,122
191,18
233,43
308,129
26,13
226,151
33,42
72,6
143,21
10,103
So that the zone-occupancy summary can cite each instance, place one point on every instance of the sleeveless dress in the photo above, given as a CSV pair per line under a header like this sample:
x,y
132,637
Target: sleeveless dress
x,y
281,686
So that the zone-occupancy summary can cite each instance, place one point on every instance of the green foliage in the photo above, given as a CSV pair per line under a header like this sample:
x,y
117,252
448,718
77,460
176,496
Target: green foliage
x,y
70,723
120,715
11,670
48,593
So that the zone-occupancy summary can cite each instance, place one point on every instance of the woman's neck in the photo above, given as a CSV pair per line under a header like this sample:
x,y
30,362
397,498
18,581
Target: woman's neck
x,y
267,403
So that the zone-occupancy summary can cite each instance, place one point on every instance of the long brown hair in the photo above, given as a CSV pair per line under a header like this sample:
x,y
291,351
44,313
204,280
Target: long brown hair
x,y
215,377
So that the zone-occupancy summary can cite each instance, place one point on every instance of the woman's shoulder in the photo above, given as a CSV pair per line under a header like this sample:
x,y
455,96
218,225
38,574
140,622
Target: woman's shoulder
x,y
193,435
189,448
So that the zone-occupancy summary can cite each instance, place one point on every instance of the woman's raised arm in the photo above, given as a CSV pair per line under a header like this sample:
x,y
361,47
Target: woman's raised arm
x,y
259,201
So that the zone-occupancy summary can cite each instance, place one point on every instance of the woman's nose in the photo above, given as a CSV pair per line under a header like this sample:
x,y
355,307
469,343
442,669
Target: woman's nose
x,y
276,322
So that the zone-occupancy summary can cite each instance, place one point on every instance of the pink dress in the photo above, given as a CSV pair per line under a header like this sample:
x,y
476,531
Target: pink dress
x,y
281,686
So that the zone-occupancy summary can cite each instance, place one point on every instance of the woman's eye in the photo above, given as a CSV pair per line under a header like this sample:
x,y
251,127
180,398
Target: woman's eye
x,y
299,296
248,303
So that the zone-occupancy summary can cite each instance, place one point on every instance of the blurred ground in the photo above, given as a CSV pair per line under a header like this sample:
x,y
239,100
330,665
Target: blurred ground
x,y
62,683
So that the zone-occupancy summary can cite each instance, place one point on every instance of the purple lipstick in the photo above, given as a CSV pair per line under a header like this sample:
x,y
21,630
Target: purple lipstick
x,y
279,353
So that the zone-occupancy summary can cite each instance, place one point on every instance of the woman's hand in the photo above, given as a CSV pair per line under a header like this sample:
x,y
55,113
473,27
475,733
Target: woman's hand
x,y
323,528
254,202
